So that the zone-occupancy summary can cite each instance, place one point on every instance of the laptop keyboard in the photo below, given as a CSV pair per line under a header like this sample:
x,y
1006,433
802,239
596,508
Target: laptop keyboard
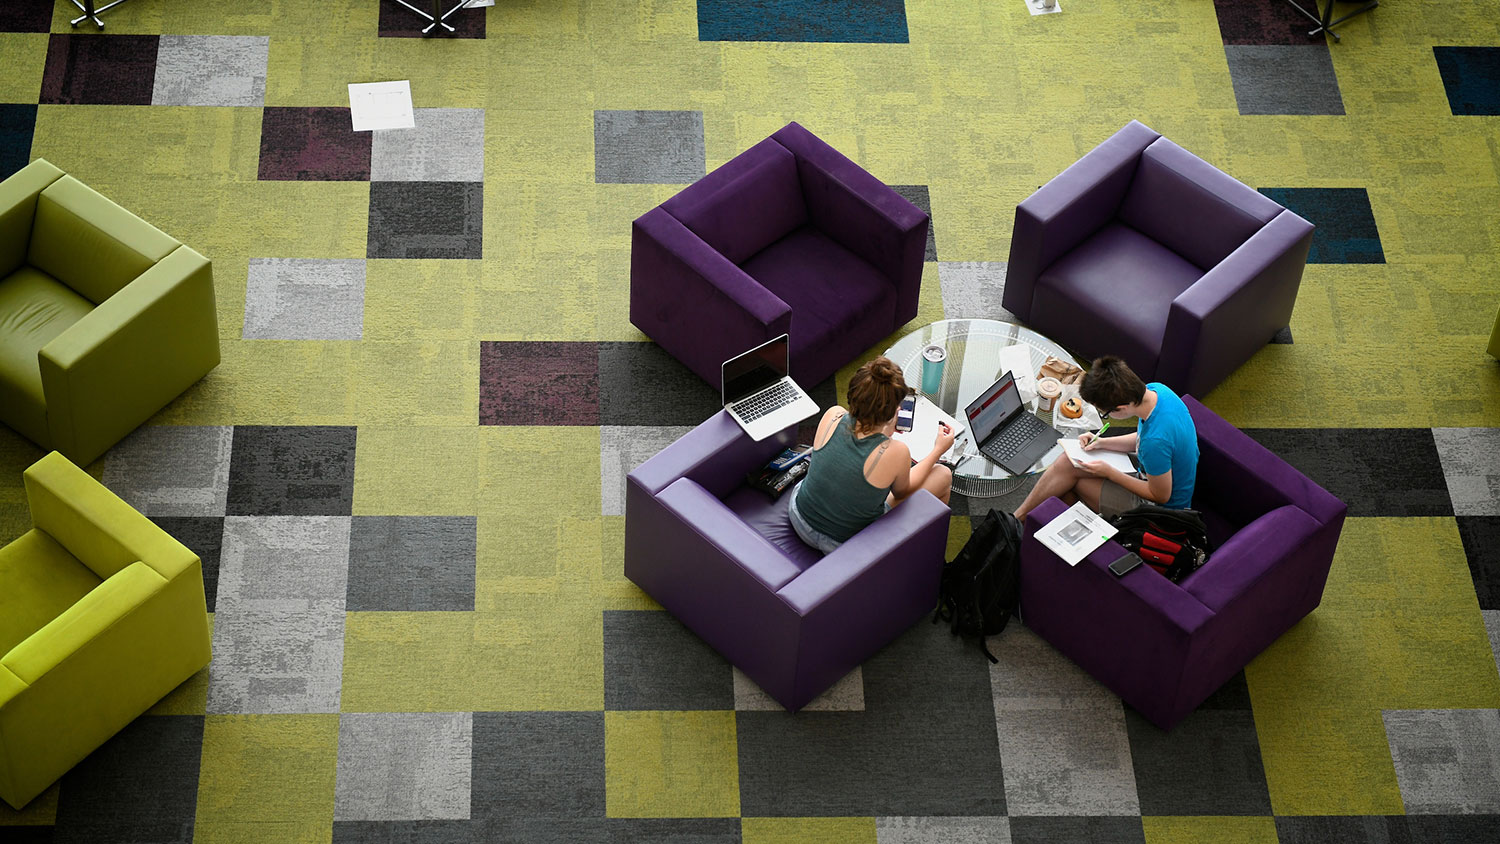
x,y
1006,444
769,400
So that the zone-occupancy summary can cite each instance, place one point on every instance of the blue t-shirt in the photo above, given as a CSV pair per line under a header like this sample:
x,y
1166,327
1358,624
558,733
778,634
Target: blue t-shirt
x,y
1169,441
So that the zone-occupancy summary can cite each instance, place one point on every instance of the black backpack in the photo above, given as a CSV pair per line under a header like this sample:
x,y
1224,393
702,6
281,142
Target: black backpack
x,y
982,585
1174,542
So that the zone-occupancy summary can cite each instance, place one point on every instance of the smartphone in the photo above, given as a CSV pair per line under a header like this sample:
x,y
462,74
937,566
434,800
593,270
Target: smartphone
x,y
906,414
1125,564
789,458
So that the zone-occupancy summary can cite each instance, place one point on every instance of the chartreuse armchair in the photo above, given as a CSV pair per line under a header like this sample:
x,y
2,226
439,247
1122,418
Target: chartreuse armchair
x,y
101,614
103,318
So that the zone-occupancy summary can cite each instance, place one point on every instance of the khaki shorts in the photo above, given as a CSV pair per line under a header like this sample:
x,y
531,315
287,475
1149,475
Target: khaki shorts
x,y
1115,499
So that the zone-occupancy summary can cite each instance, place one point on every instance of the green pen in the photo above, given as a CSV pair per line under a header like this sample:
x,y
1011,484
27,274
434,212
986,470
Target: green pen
x,y
1101,432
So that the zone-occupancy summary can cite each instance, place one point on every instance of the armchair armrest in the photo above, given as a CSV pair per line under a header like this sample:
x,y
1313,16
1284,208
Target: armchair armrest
x,y
716,455
1240,304
1135,634
861,213
18,209
141,348
94,525
694,302
1066,210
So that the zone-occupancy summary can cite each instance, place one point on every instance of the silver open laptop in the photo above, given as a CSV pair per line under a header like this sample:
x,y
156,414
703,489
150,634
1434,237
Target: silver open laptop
x,y
760,395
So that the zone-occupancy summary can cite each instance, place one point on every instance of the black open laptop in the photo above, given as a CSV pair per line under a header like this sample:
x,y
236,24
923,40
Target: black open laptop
x,y
1005,431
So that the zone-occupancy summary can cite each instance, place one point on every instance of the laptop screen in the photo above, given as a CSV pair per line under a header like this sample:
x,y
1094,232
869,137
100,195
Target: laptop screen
x,y
993,407
755,370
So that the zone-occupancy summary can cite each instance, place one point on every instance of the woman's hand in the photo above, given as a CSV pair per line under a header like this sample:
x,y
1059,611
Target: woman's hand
x,y
944,439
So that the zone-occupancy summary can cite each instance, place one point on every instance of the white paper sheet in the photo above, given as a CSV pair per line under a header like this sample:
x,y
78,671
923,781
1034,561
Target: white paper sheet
x,y
1075,452
1016,359
1076,533
381,105
924,430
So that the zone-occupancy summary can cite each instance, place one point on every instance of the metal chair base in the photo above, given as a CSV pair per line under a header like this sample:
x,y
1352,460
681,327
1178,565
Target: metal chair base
x,y
433,16
92,12
1326,22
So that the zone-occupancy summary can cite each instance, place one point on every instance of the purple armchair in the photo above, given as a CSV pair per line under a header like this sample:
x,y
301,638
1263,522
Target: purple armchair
x,y
724,560
1164,647
1143,250
788,237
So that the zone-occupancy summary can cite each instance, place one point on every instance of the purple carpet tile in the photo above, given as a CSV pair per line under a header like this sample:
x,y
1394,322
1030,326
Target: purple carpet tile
x,y
1266,22
25,16
99,70
538,383
312,145
397,21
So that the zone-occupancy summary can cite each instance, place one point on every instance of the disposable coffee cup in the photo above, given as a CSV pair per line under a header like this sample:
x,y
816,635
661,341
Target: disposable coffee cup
x,y
933,358
1048,390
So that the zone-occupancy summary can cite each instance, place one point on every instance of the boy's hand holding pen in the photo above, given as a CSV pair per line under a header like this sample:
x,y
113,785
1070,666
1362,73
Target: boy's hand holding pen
x,y
1094,438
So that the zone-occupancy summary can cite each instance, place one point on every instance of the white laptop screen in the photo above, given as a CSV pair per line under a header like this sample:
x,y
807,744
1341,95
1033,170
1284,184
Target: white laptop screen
x,y
755,370
990,410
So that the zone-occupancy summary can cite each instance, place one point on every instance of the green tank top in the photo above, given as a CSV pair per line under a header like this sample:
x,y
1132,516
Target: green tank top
x,y
835,498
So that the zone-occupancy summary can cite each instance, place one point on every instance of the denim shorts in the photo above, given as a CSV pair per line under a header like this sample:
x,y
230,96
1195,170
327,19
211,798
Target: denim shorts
x,y
817,539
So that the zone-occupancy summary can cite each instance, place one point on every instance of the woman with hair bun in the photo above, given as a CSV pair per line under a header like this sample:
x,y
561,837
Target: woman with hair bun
x,y
858,471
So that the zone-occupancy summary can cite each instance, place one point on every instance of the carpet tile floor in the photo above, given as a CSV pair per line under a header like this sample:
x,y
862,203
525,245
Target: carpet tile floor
x,y
406,478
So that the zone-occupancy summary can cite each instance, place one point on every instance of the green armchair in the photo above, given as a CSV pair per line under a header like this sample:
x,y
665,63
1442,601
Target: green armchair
x,y
103,318
101,614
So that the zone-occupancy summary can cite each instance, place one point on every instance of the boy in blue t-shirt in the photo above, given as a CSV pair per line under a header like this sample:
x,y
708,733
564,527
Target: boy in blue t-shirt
x,y
1166,442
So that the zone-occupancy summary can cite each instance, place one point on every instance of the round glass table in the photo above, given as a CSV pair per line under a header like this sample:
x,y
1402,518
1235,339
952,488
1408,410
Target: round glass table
x,y
973,364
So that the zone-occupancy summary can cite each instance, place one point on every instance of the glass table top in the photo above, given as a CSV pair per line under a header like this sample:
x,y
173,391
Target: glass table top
x,y
973,364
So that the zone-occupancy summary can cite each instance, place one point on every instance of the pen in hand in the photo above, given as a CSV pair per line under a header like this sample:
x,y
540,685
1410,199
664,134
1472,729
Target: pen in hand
x,y
1096,437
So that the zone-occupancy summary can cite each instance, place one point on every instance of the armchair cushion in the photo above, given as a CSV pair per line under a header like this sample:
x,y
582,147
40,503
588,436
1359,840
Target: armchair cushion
x,y
34,309
769,519
746,205
91,244
832,293
1191,207
39,579
1116,290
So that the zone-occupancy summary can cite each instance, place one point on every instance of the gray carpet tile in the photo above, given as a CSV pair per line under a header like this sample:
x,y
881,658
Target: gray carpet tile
x,y
211,70
973,290
539,765
1471,465
1376,471
640,384
1076,830
1481,540
279,627
292,471
923,746
919,196
409,832
1209,764
1379,829
1447,760
1283,79
446,145
204,536
172,470
412,563
1492,626
651,661
942,831
624,447
1033,675
305,299
404,766
648,147
426,220
140,786
847,695
1454,829
1066,762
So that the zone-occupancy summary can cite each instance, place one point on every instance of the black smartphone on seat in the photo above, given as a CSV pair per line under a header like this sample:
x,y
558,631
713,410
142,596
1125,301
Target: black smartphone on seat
x,y
1126,564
